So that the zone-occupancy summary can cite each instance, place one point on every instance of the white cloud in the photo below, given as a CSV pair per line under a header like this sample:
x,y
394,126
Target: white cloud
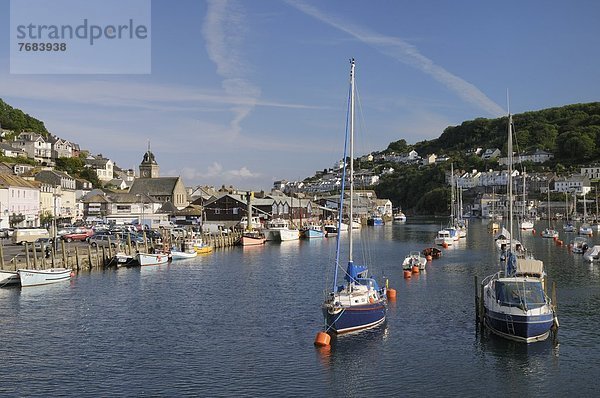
x,y
215,172
223,31
409,54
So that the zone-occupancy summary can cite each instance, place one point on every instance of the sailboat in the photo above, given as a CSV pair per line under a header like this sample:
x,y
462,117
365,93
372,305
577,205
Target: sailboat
x,y
358,303
549,232
596,224
526,223
568,226
585,229
251,236
515,305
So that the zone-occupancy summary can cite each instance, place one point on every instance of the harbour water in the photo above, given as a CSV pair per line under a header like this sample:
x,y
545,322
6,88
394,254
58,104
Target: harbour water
x,y
241,322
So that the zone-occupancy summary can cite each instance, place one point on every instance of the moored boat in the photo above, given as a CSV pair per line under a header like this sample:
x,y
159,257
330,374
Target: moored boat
x,y
9,278
592,254
252,238
179,255
313,231
443,238
359,303
515,305
145,259
434,252
579,245
414,259
35,277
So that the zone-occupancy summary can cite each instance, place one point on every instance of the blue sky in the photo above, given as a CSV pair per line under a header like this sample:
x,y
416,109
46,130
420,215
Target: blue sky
x,y
247,92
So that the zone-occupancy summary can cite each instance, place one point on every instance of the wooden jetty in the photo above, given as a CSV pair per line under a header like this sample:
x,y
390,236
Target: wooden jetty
x,y
87,257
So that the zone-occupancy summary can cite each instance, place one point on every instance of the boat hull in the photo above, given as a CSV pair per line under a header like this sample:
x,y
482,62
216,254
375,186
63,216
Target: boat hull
x,y
177,255
313,233
354,318
252,240
152,259
30,277
9,278
524,328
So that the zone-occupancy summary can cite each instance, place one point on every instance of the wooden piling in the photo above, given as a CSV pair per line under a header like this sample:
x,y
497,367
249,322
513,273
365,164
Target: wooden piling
x,y
129,243
1,255
109,248
35,261
554,301
476,300
89,250
64,253
77,259
27,254
481,309
53,259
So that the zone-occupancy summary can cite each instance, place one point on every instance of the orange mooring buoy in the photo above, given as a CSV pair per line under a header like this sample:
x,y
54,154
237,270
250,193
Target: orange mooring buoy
x,y
533,231
391,294
72,274
407,274
322,339
415,269
429,258
555,238
445,245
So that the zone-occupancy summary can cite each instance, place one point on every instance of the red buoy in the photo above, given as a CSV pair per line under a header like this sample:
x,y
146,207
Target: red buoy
x,y
72,274
429,258
322,339
407,274
445,245
391,294
415,269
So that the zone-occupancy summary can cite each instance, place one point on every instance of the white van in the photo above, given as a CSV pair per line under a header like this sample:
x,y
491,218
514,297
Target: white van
x,y
29,235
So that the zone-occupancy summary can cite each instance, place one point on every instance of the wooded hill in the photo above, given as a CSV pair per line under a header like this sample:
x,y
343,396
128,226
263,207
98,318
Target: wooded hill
x,y
571,133
18,121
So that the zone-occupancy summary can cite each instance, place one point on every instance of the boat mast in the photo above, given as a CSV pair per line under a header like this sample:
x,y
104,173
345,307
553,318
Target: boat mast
x,y
350,211
452,204
249,195
510,192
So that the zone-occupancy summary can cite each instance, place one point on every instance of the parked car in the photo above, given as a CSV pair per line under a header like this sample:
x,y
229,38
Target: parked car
x,y
6,232
103,239
43,244
134,237
80,234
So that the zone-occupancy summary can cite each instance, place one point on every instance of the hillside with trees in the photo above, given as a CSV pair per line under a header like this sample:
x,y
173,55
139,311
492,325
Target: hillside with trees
x,y
571,133
18,121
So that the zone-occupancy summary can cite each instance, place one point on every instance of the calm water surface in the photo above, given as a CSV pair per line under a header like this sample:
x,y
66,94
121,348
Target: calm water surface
x,y
241,322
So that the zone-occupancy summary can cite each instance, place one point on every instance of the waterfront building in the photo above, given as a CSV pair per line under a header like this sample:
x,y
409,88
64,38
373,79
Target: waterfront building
x,y
19,202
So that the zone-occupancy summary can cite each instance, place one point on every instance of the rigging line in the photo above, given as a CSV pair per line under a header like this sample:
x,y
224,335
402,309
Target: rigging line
x,y
343,187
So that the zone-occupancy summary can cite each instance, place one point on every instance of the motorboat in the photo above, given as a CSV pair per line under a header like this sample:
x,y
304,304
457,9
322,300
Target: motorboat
x,y
35,277
414,259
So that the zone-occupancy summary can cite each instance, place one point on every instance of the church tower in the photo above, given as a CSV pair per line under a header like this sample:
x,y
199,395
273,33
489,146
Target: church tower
x,y
149,167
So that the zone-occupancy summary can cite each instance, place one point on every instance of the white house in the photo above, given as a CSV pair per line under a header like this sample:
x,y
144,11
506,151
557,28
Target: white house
x,y
591,172
104,167
580,184
19,202
35,146
489,154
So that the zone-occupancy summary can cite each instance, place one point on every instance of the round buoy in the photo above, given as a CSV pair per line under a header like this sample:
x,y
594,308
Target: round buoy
x,y
429,258
415,269
555,238
72,274
391,294
533,231
445,245
407,274
322,339
559,242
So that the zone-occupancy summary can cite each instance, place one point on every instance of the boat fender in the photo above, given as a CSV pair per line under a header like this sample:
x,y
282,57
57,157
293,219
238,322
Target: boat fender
x,y
158,258
371,300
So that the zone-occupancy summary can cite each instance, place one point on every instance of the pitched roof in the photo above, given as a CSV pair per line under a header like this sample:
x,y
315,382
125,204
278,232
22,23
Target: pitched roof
x,y
154,186
168,207
10,180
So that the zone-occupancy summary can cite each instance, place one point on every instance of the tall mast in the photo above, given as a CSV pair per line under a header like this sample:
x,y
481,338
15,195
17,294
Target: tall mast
x,y
510,192
350,212
452,204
